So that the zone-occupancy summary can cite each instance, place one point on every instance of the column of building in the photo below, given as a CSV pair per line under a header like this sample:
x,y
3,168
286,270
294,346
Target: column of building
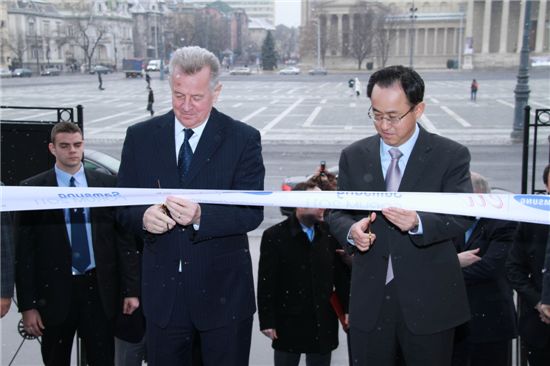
x,y
486,27
541,24
504,26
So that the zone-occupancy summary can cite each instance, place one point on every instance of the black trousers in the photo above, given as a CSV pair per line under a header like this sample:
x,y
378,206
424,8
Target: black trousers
x,y
86,315
481,354
175,344
391,343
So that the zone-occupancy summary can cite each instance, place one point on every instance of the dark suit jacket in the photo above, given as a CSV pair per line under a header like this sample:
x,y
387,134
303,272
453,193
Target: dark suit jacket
x,y
524,267
489,293
296,280
546,277
44,260
7,256
428,278
216,263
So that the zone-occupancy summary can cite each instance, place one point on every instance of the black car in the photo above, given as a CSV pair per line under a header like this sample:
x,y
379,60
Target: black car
x,y
21,73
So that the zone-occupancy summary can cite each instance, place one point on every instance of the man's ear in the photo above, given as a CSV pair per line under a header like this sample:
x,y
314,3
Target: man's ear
x,y
51,147
419,110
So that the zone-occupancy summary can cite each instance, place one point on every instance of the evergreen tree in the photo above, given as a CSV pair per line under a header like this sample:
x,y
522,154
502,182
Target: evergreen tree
x,y
269,56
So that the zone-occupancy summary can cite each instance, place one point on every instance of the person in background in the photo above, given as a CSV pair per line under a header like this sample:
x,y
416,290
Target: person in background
x,y
357,87
473,90
298,269
148,80
482,253
100,80
525,272
73,264
407,289
7,263
150,101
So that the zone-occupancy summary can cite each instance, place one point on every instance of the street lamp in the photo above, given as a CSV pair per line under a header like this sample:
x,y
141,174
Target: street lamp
x,y
413,11
522,87
460,36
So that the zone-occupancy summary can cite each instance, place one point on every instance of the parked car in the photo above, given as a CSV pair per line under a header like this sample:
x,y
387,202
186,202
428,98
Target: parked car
x,y
21,73
101,69
318,71
5,72
291,70
101,162
153,65
240,71
50,71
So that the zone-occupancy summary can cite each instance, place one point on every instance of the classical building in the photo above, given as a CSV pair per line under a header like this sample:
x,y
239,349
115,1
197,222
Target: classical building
x,y
43,33
468,33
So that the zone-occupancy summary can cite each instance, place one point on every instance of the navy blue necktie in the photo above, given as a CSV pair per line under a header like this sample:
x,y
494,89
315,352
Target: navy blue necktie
x,y
185,155
79,237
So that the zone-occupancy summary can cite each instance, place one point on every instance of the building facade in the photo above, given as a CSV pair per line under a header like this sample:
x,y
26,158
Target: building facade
x,y
254,8
65,34
471,33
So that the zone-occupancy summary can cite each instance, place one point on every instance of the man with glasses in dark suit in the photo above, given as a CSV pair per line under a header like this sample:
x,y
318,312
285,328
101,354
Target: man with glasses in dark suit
x,y
407,291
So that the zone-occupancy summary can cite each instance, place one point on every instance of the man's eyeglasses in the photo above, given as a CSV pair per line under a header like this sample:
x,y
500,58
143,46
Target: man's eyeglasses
x,y
379,117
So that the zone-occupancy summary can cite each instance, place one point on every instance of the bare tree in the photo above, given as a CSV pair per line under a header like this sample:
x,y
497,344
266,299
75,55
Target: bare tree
x,y
17,45
86,29
362,32
385,32
286,41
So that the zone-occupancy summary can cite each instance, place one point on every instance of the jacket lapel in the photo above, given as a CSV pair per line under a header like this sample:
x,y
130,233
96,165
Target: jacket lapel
x,y
165,144
417,162
373,165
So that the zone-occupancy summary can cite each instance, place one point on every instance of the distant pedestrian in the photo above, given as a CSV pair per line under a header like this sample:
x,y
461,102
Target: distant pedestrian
x,y
148,80
357,85
473,90
100,80
150,101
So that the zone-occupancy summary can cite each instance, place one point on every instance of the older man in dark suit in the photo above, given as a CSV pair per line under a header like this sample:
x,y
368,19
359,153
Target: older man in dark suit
x,y
407,290
525,272
197,270
482,253
73,264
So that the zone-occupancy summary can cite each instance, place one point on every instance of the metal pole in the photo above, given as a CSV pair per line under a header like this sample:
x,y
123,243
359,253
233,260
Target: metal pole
x,y
413,34
460,37
522,87
525,153
319,41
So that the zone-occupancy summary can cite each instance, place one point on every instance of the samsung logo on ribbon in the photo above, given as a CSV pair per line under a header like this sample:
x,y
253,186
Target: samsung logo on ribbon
x,y
534,201
88,195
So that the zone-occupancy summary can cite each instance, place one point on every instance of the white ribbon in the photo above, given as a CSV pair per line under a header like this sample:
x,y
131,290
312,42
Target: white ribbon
x,y
514,207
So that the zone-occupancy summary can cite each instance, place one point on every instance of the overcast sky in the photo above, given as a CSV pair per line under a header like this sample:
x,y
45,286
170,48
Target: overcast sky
x,y
287,12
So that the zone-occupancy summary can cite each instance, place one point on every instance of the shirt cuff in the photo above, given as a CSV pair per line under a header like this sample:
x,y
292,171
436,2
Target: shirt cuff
x,y
349,238
418,230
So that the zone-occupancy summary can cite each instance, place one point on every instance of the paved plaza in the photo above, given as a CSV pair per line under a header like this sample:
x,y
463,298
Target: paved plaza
x,y
302,120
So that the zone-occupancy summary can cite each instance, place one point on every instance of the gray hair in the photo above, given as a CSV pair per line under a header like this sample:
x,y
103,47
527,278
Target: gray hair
x,y
479,183
191,60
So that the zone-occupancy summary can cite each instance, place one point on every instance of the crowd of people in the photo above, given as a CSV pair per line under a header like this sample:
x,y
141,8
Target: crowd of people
x,y
173,282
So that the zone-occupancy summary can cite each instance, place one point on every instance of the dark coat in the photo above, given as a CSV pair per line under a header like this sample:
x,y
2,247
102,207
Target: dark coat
x,y
524,269
489,293
216,262
428,279
7,256
296,278
44,260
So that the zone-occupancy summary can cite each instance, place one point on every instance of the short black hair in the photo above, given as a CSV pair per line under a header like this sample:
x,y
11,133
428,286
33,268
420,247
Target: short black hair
x,y
410,81
64,127
545,175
